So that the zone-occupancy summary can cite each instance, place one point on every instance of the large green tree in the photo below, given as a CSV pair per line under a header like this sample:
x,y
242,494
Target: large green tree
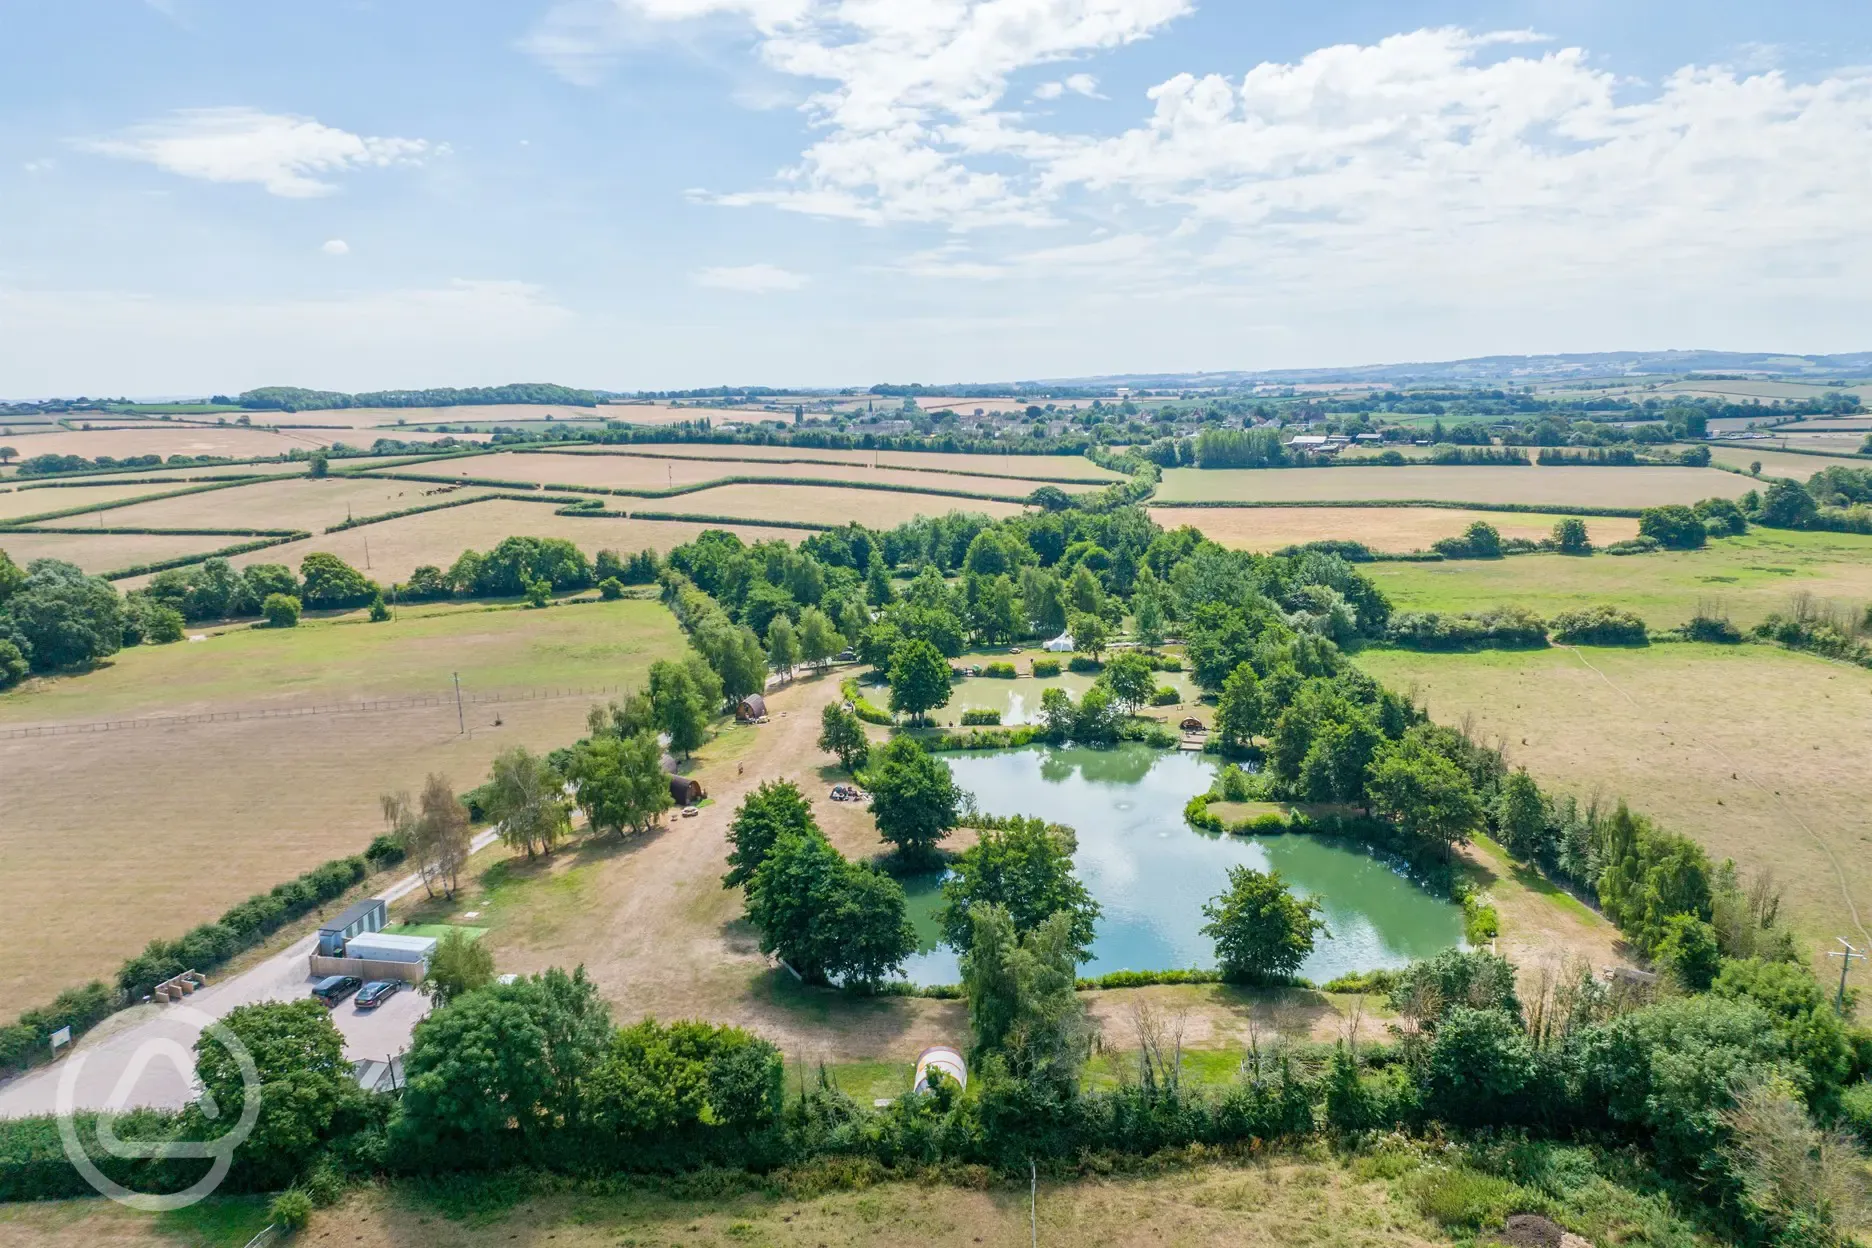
x,y
329,582
1261,930
842,733
1130,679
619,782
1425,794
914,797
919,678
1023,1009
1027,869
60,618
1521,815
829,919
525,800
774,809
460,965
681,709
305,1082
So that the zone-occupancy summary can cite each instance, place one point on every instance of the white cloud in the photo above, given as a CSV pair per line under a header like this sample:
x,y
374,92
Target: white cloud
x,y
754,279
1049,91
287,155
1078,84
336,247
38,166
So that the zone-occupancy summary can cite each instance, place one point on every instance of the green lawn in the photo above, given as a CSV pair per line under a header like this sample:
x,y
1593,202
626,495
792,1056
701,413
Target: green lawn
x,y
508,647
437,930
1748,576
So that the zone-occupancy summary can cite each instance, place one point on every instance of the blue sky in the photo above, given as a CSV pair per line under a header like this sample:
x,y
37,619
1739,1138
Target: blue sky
x,y
201,195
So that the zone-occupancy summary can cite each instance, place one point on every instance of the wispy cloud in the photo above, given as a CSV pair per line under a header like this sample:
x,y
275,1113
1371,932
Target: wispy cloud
x,y
290,156
336,247
753,279
1078,84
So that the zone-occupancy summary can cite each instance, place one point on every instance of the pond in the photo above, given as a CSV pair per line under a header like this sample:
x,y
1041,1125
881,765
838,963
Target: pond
x,y
1151,872
1018,700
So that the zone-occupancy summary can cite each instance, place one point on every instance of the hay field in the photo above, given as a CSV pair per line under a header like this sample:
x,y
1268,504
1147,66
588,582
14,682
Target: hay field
x,y
1775,464
193,817
384,419
1578,487
165,440
297,503
17,503
399,547
1758,753
100,553
1021,467
1747,577
880,509
1388,529
639,473
664,414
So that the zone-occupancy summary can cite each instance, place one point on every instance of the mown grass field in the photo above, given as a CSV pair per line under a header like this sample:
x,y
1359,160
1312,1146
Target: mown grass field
x,y
1019,466
100,553
1747,577
1529,485
1758,753
640,473
390,551
297,503
1780,464
827,504
16,503
155,438
112,838
1388,529
1282,1200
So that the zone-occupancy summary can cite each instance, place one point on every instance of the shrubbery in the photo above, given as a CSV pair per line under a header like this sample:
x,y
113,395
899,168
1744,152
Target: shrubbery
x,y
1044,668
1602,625
1505,626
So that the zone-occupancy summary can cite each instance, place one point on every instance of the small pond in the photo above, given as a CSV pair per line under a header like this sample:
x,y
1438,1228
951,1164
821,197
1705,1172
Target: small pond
x,y
1018,700
1151,872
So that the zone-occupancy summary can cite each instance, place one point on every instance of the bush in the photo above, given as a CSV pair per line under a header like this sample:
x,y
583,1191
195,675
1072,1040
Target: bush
x,y
1634,546
1501,626
385,851
1856,1110
1675,527
1712,628
1046,667
291,1209
610,589
1080,663
981,715
1462,1199
1480,540
1165,695
1000,671
281,611
1602,625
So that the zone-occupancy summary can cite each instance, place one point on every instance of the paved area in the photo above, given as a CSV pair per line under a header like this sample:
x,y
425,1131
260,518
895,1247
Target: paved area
x,y
145,1055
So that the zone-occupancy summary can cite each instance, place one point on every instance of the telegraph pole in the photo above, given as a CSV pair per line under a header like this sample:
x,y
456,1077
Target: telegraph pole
x,y
1846,961
461,720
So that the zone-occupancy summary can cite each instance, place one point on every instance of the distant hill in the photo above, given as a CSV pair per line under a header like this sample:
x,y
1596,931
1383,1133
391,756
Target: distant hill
x,y
1518,369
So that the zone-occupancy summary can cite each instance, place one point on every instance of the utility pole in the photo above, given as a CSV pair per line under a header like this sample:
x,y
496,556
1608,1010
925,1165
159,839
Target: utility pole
x,y
1033,1201
367,552
1846,961
461,720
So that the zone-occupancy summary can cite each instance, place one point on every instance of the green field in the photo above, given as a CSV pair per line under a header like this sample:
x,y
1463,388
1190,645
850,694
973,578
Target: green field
x,y
1759,753
1747,576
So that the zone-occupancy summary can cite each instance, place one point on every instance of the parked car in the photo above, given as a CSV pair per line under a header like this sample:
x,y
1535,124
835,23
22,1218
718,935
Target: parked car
x,y
377,992
335,988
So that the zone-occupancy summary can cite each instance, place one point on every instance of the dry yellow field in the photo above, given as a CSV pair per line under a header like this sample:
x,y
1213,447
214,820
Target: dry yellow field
x,y
1776,464
1022,467
17,503
1758,753
383,420
299,503
639,473
276,795
1388,529
105,552
165,440
1531,485
399,547
664,414
880,509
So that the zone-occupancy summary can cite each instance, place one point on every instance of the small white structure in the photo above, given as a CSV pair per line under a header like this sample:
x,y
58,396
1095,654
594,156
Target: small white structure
x,y
390,947
943,1058
1062,644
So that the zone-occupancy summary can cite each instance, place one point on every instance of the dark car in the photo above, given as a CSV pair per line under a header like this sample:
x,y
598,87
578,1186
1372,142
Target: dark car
x,y
335,988
377,992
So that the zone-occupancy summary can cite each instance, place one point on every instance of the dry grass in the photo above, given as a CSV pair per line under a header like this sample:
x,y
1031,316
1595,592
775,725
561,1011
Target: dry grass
x,y
113,838
1282,1200
1021,467
167,440
1759,754
104,552
880,509
1577,486
635,472
301,503
382,421
1776,464
1388,529
664,414
17,503
397,547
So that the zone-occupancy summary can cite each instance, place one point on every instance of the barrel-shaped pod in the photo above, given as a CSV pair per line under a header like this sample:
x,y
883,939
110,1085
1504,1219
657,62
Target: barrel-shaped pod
x,y
943,1058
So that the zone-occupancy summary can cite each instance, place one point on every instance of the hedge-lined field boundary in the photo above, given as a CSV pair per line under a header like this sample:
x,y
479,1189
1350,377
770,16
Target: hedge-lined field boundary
x,y
86,531
34,483
505,483
1543,509
183,561
114,504
382,516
